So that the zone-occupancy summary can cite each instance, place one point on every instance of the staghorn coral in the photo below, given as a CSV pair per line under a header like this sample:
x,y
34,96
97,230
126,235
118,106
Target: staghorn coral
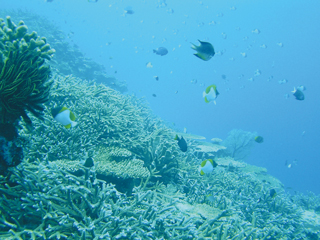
x,y
104,116
246,208
45,202
118,127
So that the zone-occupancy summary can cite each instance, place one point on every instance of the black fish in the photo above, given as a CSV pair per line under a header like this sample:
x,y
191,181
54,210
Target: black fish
x,y
181,143
298,94
89,162
273,193
154,95
128,10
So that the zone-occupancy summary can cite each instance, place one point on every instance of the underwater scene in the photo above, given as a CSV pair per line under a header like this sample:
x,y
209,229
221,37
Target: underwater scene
x,y
159,119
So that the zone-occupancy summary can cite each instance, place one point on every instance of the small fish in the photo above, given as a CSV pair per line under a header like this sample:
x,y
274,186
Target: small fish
x,y
205,51
49,0
301,88
210,94
207,166
243,54
170,11
280,44
64,116
257,72
181,143
210,197
283,81
273,193
89,162
149,65
194,81
224,77
161,51
258,139
128,10
154,95
161,4
156,77
298,94
93,1
256,31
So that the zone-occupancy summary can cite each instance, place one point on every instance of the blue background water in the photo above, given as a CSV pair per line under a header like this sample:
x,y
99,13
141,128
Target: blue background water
x,y
124,43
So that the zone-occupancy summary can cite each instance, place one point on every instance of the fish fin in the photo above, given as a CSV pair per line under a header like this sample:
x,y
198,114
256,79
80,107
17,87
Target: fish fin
x,y
202,173
154,51
63,109
209,88
294,90
199,55
210,160
215,103
176,137
206,100
214,164
72,116
203,163
73,124
68,126
204,94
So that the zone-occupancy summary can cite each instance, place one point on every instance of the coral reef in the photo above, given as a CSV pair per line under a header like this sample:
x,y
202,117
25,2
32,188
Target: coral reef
x,y
140,185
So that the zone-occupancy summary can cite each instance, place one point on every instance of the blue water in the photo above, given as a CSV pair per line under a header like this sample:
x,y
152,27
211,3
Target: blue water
x,y
252,106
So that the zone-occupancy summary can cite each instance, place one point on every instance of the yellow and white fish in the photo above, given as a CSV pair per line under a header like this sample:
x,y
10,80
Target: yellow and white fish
x,y
207,166
64,116
210,94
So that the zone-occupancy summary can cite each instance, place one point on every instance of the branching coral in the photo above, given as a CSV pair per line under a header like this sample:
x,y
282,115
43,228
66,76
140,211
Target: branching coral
x,y
48,203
